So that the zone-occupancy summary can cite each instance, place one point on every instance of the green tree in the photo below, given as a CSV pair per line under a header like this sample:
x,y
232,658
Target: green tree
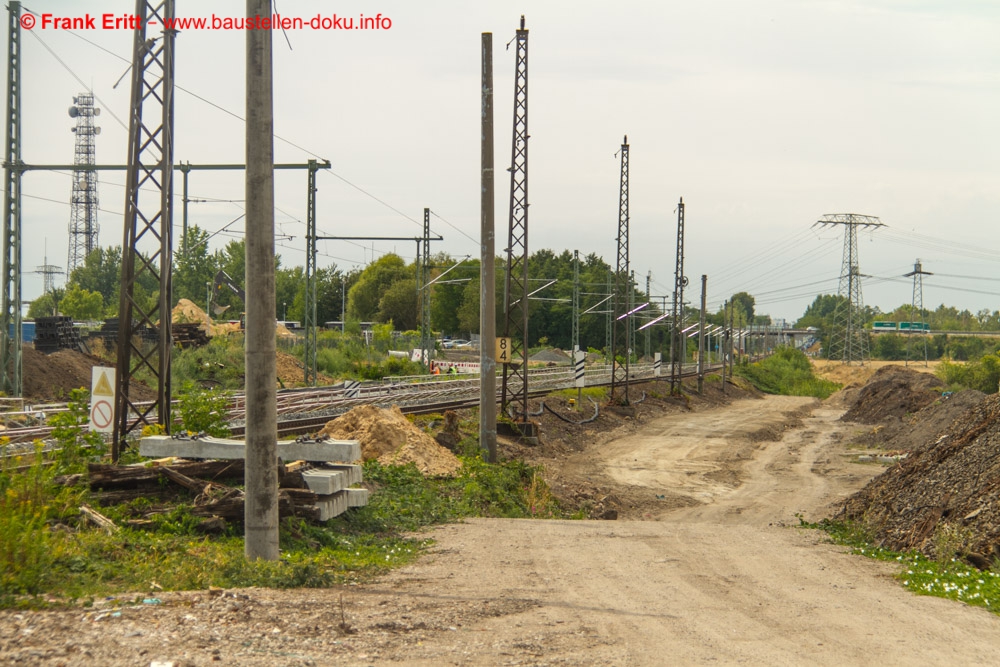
x,y
101,272
194,267
742,304
81,304
47,305
366,294
399,305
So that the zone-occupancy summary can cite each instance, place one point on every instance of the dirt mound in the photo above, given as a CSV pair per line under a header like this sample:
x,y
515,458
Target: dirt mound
x,y
945,500
918,431
51,377
291,371
893,392
551,355
187,311
843,374
389,437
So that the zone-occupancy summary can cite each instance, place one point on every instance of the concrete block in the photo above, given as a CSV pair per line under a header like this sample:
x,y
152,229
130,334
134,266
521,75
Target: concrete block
x,y
357,497
225,448
324,482
352,473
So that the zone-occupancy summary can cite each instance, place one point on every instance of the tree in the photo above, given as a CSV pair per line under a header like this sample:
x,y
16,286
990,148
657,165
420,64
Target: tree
x,y
399,305
81,304
742,304
101,272
193,267
233,260
366,294
47,305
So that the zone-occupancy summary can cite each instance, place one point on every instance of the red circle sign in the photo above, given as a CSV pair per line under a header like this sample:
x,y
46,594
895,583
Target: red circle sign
x,y
101,414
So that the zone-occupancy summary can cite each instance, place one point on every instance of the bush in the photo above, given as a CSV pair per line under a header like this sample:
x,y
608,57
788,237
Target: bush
x,y
787,372
983,374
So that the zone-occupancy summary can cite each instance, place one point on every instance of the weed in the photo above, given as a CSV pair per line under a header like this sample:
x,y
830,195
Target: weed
x,y
204,412
944,577
787,372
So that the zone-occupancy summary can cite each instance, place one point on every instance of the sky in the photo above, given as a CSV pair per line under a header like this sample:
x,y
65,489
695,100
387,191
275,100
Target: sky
x,y
763,116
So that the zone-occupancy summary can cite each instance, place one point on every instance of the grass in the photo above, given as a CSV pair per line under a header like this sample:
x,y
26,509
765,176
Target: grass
x,y
787,372
597,393
946,577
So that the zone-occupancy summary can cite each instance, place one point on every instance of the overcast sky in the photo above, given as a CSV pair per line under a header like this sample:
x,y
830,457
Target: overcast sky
x,y
763,116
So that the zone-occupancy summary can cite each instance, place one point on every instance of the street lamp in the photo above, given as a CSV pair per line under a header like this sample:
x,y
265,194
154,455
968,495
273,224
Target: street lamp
x,y
284,311
208,299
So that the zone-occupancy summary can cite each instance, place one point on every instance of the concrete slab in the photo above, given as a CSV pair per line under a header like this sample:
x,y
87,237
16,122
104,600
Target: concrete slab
x,y
325,482
224,448
352,473
357,497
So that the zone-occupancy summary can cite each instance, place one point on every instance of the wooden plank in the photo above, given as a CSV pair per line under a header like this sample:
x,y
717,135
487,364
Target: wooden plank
x,y
103,476
224,448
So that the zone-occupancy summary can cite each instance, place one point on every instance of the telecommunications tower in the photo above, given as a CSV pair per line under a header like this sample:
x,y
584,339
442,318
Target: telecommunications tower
x,y
83,227
848,339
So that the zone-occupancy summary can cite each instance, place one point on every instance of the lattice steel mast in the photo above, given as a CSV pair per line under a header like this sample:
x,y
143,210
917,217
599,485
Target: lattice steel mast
x,y
917,305
309,319
849,340
148,221
680,282
10,327
83,227
424,289
514,393
621,329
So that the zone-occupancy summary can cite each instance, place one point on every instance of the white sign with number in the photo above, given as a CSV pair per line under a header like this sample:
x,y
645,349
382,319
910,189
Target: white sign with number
x,y
102,399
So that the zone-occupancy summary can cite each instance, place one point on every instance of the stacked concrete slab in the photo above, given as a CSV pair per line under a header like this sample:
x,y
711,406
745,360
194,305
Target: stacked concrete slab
x,y
332,466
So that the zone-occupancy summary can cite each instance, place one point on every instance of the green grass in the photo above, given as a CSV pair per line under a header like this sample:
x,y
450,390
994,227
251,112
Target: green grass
x,y
787,372
947,578
597,393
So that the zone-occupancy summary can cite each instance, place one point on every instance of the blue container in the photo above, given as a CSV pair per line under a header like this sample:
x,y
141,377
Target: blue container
x,y
27,332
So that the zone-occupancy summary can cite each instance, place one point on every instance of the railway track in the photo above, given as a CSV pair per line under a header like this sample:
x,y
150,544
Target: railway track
x,y
302,411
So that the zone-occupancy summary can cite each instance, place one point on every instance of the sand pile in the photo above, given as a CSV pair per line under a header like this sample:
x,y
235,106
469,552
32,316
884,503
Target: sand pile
x,y
187,311
389,437
894,392
944,500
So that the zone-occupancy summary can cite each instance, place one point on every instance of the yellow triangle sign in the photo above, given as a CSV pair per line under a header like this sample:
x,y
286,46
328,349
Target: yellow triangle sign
x,y
103,387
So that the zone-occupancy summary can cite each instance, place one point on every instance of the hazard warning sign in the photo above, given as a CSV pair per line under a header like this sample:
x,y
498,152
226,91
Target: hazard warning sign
x,y
102,399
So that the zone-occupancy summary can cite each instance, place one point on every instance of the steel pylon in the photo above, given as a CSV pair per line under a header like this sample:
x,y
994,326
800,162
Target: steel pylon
x,y
680,282
514,391
849,340
148,223
917,305
10,327
621,328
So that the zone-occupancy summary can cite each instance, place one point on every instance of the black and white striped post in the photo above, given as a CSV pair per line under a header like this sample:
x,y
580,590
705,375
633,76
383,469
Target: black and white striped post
x,y
579,357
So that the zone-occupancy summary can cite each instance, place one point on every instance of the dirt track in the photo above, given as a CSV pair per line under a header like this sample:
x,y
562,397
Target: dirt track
x,y
720,575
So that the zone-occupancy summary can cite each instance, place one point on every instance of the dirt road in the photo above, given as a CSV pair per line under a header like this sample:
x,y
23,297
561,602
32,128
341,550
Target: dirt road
x,y
720,575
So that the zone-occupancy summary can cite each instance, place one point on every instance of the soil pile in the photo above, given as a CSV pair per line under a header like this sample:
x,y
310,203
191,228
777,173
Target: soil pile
x,y
389,437
894,392
944,500
291,371
552,355
187,311
51,377
918,431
